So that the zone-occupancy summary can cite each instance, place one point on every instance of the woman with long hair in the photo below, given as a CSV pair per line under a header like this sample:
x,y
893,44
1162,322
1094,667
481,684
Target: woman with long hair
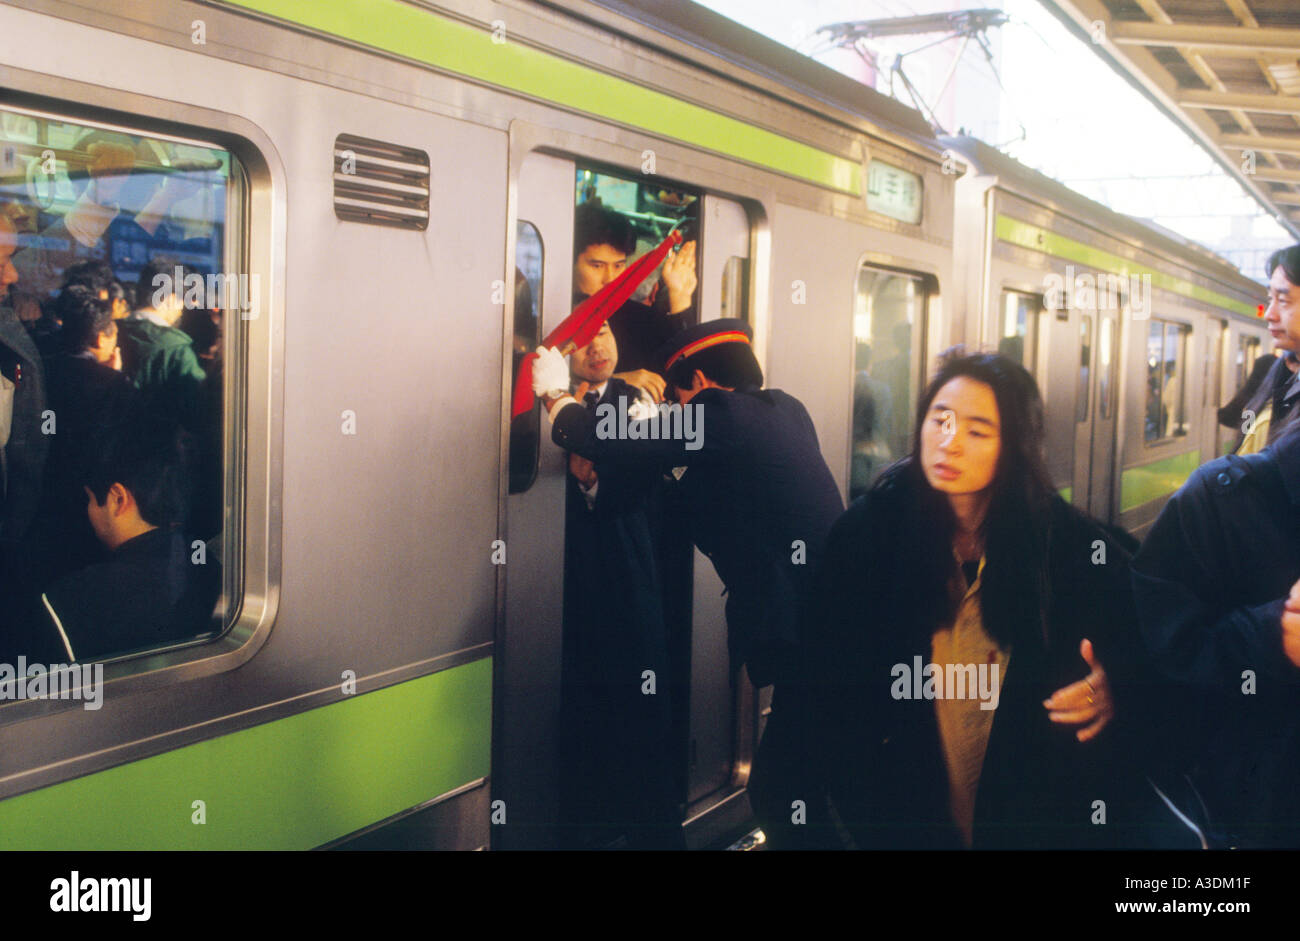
x,y
973,640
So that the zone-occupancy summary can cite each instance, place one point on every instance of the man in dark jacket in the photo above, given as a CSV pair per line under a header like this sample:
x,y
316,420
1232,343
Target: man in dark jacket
x,y
1211,584
1272,407
86,394
156,586
759,497
603,241
616,771
22,446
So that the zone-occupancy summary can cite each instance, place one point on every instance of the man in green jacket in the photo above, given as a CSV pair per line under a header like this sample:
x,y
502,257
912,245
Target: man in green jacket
x,y
156,355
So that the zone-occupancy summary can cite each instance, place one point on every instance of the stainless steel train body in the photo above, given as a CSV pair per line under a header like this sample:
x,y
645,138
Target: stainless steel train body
x,y
389,674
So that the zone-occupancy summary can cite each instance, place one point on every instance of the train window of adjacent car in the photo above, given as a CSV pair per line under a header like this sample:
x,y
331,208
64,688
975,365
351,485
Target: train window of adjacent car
x,y
1106,365
638,215
136,358
886,314
1166,414
1016,339
1247,353
525,431
1085,369
735,288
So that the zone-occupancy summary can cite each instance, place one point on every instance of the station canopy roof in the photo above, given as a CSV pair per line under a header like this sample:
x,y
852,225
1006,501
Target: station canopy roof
x,y
1226,70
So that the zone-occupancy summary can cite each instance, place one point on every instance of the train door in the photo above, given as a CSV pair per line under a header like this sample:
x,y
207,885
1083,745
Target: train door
x,y
724,721
525,765
1090,339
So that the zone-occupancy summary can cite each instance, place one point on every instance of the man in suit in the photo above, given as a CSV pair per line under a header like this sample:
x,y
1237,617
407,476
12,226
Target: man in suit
x,y
617,776
1217,593
760,501
1272,407
603,241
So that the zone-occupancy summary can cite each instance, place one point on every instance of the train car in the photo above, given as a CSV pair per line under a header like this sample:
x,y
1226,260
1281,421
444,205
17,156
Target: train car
x,y
389,189
375,179
1136,336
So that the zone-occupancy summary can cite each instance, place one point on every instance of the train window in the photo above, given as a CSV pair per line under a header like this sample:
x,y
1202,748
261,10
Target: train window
x,y
886,312
1085,370
617,219
1247,353
735,288
131,287
1106,365
525,441
1019,327
1166,414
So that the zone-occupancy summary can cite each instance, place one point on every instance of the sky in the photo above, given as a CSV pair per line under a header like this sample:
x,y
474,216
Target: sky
x,y
1058,108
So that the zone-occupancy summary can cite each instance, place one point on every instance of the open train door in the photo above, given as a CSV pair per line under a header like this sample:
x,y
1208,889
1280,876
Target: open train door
x,y
724,721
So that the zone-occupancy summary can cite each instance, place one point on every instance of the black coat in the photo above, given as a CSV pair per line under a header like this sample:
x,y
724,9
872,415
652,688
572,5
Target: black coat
x,y
880,758
1210,582
760,499
616,769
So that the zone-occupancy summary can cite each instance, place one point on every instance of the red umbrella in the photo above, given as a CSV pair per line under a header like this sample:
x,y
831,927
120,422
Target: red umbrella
x,y
581,326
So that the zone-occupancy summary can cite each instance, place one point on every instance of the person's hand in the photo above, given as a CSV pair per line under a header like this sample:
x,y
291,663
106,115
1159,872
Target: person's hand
x,y
582,469
1291,626
1087,703
679,277
550,374
650,382
110,164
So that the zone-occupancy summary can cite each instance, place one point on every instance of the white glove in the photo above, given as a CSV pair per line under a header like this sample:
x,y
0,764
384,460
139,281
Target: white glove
x,y
642,408
550,373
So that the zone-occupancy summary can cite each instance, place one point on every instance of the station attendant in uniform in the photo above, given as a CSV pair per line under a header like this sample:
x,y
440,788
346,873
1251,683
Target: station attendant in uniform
x,y
759,497
973,641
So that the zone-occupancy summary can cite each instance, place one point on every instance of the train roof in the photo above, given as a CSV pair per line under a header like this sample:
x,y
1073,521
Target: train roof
x,y
707,39
1038,187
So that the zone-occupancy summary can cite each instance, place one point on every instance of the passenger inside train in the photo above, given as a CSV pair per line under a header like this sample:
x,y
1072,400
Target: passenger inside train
x,y
97,210
617,776
604,242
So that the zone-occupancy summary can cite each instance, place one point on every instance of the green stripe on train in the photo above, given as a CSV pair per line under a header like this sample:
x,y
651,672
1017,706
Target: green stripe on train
x,y
1139,485
423,36
294,783
1038,239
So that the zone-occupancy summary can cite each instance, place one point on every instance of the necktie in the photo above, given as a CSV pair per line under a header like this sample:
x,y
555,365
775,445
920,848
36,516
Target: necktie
x,y
591,398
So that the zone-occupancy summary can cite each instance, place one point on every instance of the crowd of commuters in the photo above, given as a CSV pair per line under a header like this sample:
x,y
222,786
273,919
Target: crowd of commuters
x,y
111,446
962,658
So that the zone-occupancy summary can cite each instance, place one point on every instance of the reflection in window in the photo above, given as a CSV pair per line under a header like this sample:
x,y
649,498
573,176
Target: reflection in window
x,y
130,287
1019,323
1166,415
735,288
525,429
887,311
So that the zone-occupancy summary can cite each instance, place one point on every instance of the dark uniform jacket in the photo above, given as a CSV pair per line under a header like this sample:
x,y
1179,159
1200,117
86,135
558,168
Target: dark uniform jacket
x,y
149,592
617,775
1210,583
881,759
760,499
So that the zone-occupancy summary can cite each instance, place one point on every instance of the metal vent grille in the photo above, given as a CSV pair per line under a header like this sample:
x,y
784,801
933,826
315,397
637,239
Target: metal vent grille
x,y
380,184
